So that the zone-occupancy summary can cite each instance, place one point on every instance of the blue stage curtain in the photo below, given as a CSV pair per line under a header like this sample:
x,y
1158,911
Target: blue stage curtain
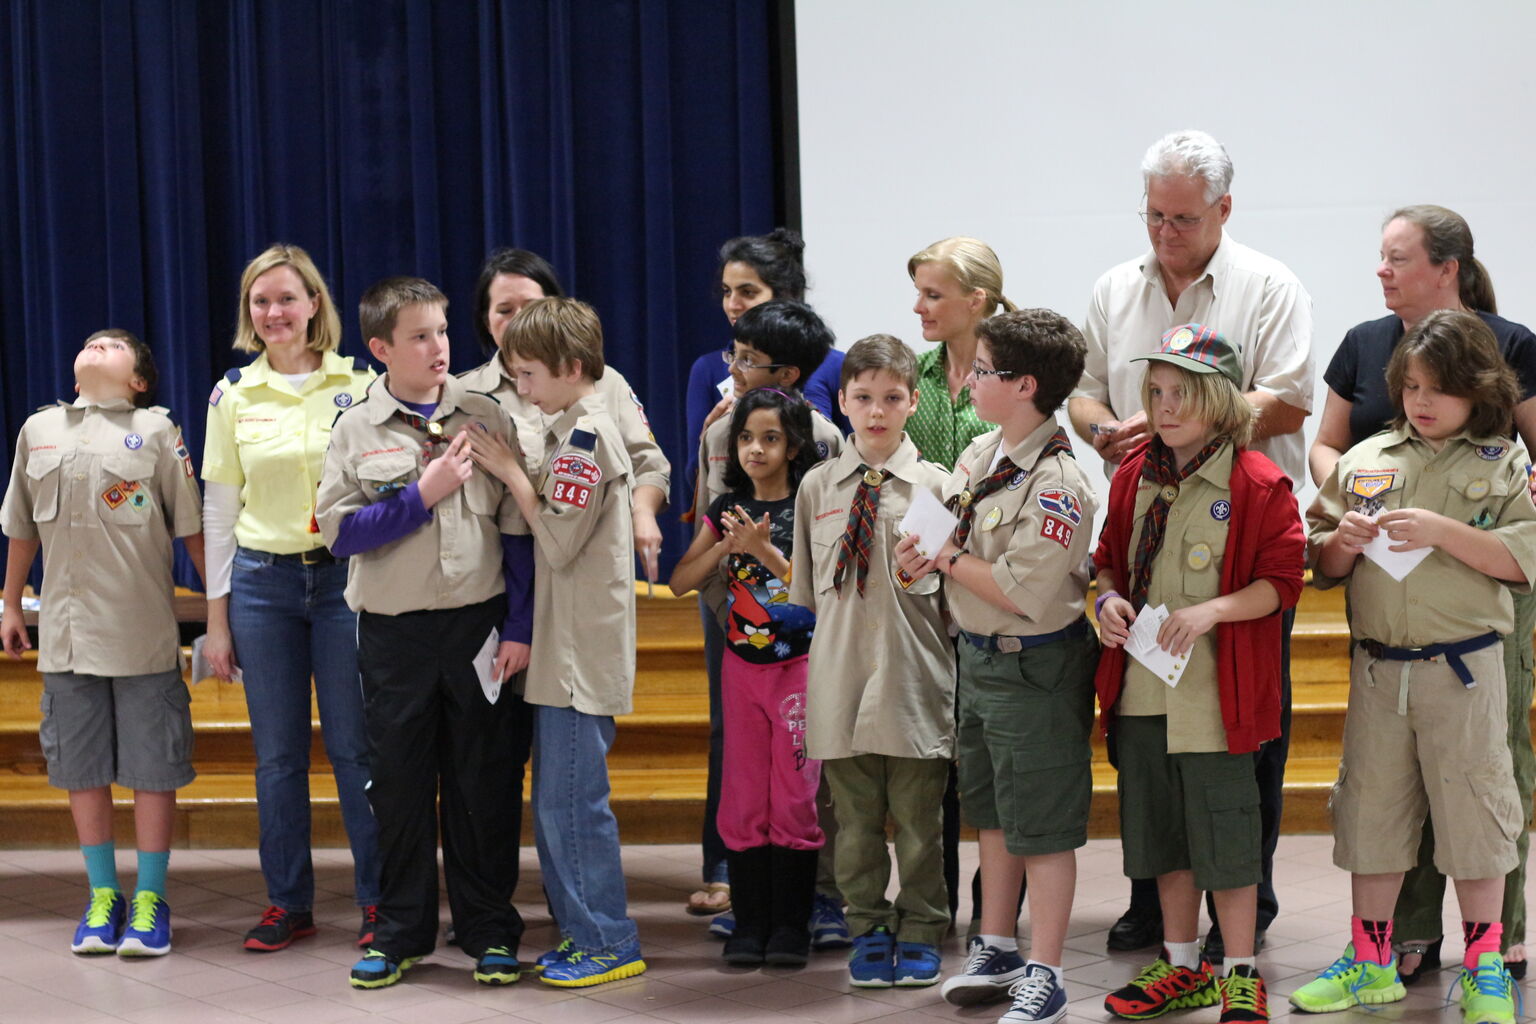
x,y
149,149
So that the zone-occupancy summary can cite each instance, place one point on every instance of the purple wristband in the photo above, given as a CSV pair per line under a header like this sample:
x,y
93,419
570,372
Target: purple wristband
x,y
1098,606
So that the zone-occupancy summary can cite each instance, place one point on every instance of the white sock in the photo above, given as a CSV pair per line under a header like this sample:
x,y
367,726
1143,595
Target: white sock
x,y
1184,954
1061,980
1241,961
1010,943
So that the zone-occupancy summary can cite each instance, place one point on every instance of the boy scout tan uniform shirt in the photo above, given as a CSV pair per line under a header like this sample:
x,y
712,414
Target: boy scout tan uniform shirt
x,y
583,653
104,486
624,406
882,669
1479,481
1036,531
1185,572
451,561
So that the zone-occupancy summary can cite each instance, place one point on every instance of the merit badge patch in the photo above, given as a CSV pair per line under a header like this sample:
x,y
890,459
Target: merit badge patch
x,y
1057,530
577,468
1017,480
133,442
574,494
1062,502
184,455
1491,452
1221,510
342,400
118,494
1372,483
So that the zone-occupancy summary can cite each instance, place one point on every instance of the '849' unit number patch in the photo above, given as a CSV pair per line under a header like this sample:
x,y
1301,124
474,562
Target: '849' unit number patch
x,y
568,493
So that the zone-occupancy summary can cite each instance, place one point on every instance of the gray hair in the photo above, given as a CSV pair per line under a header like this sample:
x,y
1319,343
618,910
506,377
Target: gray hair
x,y
1190,154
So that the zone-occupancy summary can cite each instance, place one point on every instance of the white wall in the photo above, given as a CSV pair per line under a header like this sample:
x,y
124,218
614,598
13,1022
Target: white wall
x,y
1023,123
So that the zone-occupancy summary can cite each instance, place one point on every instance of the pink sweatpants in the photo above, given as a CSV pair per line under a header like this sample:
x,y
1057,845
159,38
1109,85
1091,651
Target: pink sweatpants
x,y
768,786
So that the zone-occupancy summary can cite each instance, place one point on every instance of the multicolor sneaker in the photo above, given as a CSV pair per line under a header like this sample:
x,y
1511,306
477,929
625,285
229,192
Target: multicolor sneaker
x,y
101,926
917,964
1349,982
723,926
1038,998
580,969
497,966
369,927
555,955
1244,999
1162,987
380,970
278,929
148,932
829,928
870,964
1487,993
989,973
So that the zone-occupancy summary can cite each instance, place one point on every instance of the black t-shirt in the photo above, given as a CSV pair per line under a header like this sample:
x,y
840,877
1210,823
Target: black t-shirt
x,y
761,626
1358,371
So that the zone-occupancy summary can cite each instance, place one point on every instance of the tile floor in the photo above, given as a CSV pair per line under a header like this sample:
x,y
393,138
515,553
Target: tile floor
x,y
217,894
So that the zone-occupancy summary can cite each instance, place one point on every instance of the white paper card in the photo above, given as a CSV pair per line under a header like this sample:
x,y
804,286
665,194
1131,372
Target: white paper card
x,y
201,669
1396,564
485,666
929,521
726,387
1142,645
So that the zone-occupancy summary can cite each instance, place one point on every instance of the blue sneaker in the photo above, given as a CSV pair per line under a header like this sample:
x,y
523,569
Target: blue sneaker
x,y
917,964
380,970
497,966
723,926
555,955
101,926
580,968
148,932
870,964
989,973
1037,998
829,928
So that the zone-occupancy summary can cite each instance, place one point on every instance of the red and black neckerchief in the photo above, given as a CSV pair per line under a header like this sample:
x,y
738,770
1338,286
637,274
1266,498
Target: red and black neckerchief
x,y
964,503
432,431
860,533
1160,468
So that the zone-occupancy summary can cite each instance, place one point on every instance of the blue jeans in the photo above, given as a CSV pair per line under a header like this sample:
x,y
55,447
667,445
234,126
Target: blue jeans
x,y
290,623
577,834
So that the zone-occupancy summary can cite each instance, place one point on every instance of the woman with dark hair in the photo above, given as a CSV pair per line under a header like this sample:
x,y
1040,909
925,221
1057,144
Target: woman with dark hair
x,y
509,280
1427,264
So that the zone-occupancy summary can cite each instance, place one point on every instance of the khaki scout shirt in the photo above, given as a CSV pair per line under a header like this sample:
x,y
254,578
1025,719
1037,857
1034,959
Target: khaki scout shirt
x,y
628,412
450,562
1037,532
104,486
584,585
269,440
1480,481
1186,571
882,672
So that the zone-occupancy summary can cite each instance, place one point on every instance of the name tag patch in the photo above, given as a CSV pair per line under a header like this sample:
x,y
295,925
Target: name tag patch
x,y
1057,530
573,494
577,468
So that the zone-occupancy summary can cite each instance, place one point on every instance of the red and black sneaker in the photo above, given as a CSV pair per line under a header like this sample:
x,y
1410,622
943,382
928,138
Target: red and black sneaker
x,y
1244,1000
1162,987
278,929
368,927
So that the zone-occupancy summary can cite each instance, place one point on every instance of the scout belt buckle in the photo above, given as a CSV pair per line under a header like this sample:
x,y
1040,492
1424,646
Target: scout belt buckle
x,y
1009,644
315,556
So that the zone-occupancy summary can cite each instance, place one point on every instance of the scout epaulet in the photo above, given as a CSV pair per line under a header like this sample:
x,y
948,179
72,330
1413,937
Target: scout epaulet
x,y
1058,444
60,404
359,365
484,394
232,377
574,470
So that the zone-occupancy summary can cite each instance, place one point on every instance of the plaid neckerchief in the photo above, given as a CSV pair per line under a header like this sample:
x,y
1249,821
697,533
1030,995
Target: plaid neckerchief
x,y
861,528
1160,468
1058,444
964,503
433,429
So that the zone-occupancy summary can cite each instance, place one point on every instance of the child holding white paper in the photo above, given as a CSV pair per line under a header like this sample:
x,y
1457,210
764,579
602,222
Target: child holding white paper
x,y
1427,688
1209,530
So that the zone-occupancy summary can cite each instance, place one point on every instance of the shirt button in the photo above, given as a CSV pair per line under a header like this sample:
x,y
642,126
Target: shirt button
x,y
1413,600
79,476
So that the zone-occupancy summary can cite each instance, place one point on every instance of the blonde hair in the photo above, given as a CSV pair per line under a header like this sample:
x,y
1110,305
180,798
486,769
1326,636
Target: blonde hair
x,y
556,331
324,326
1209,398
972,263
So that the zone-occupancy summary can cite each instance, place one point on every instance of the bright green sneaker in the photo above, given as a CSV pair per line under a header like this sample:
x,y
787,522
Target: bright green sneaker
x,y
1487,994
1349,982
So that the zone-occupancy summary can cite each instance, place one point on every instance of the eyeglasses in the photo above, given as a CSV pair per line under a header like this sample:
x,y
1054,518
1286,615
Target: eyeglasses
x,y
980,372
732,360
1183,222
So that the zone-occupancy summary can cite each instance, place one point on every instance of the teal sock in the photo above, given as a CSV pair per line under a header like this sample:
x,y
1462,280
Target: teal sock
x,y
101,865
152,871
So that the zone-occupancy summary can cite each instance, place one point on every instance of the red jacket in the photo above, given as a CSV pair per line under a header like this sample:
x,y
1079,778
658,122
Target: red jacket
x,y
1265,540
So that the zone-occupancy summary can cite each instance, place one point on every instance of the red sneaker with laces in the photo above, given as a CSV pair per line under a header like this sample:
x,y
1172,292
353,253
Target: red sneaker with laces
x,y
369,926
278,929
1161,987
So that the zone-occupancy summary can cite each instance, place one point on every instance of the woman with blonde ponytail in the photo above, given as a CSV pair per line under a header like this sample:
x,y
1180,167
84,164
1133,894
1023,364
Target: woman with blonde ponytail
x,y
959,283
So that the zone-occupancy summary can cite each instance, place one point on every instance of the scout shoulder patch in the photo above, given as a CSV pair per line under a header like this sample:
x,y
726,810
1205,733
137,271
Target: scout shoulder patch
x,y
1061,502
1491,452
576,467
184,455
1370,483
640,408
1058,530
568,492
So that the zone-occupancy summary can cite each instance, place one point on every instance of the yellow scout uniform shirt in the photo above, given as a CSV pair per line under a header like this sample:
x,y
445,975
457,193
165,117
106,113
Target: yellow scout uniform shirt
x,y
1479,481
628,412
1036,531
882,670
104,487
1186,571
583,653
269,440
450,562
